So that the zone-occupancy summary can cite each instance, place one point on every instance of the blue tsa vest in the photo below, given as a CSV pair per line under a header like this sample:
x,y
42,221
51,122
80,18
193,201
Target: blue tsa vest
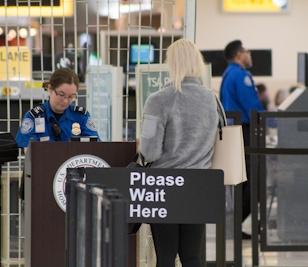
x,y
238,92
41,124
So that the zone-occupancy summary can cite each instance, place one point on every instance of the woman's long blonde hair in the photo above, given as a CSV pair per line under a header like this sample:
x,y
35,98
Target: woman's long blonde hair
x,y
184,60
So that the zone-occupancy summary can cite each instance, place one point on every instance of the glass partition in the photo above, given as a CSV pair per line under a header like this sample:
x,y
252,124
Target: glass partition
x,y
283,181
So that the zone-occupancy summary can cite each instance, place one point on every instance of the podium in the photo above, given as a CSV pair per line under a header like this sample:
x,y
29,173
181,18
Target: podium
x,y
45,171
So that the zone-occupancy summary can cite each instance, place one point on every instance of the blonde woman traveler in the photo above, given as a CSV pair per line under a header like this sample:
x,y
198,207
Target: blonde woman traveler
x,y
178,131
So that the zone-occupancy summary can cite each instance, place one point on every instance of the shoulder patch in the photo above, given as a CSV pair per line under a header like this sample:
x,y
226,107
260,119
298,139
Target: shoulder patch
x,y
37,111
26,126
247,81
91,124
80,109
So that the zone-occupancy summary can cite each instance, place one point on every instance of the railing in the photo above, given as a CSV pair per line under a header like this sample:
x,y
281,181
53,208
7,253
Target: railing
x,y
279,157
96,226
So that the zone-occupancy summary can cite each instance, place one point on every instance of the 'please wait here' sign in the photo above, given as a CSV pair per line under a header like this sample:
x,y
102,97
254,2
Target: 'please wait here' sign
x,y
15,63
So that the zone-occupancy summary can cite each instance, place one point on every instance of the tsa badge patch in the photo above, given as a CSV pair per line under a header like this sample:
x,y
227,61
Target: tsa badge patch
x,y
91,124
26,126
247,81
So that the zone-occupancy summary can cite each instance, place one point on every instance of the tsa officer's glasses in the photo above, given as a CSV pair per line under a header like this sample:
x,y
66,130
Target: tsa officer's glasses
x,y
63,96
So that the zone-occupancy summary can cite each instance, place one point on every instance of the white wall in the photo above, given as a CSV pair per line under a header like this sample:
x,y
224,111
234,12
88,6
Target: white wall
x,y
286,34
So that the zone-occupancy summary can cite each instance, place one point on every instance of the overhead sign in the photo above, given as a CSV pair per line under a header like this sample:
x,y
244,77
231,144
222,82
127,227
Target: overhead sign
x,y
251,6
15,63
34,8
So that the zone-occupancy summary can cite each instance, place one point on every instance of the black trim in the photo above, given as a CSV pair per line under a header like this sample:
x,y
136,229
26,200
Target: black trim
x,y
275,151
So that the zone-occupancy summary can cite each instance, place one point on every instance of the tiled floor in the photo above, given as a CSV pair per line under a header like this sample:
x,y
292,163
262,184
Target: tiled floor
x,y
277,259
272,259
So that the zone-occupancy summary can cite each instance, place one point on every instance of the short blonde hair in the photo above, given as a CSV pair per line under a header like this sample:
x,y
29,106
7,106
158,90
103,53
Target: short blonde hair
x,y
184,60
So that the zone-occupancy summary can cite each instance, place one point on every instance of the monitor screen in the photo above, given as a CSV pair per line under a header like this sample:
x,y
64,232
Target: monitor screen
x,y
146,53
45,59
261,59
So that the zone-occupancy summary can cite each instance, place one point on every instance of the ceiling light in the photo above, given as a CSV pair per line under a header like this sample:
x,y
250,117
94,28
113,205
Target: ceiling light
x,y
11,35
23,33
33,32
113,9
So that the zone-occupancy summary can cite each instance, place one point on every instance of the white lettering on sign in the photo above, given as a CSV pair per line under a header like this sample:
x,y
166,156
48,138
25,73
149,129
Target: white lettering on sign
x,y
137,194
157,81
143,188
138,211
143,179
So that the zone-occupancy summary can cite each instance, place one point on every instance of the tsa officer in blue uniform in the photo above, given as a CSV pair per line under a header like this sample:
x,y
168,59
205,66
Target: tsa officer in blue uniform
x,y
238,93
57,119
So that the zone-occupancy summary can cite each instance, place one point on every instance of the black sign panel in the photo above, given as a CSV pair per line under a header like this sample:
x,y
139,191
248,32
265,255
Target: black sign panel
x,y
261,61
29,3
166,195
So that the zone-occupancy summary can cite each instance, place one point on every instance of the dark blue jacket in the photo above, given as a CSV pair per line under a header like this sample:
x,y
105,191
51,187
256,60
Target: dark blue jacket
x,y
238,92
43,115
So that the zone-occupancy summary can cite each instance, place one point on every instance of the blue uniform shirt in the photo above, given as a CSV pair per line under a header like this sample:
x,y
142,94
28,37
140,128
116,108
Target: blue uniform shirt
x,y
37,124
238,92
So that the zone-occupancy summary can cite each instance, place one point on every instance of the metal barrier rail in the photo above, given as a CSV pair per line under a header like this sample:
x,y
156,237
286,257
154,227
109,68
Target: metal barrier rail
x,y
288,141
96,226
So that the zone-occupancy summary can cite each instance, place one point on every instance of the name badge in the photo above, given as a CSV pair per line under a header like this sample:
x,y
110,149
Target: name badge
x,y
39,125
44,138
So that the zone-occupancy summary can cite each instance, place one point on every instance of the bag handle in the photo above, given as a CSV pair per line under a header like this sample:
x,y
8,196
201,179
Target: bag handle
x,y
222,119
221,113
143,162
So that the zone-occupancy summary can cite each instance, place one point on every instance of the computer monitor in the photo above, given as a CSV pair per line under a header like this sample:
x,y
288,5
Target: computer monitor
x,y
146,54
38,59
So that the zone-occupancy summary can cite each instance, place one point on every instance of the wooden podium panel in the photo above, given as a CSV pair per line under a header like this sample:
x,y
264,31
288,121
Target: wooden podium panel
x,y
45,220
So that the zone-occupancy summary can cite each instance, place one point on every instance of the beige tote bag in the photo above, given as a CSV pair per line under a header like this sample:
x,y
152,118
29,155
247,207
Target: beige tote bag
x,y
229,152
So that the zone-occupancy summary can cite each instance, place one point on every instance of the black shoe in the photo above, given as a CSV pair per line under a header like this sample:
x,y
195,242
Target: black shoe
x,y
245,236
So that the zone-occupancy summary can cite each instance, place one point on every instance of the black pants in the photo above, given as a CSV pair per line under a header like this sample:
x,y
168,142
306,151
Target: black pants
x,y
187,240
246,185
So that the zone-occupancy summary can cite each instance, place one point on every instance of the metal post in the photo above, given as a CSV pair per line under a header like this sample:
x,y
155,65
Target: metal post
x,y
254,190
190,20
